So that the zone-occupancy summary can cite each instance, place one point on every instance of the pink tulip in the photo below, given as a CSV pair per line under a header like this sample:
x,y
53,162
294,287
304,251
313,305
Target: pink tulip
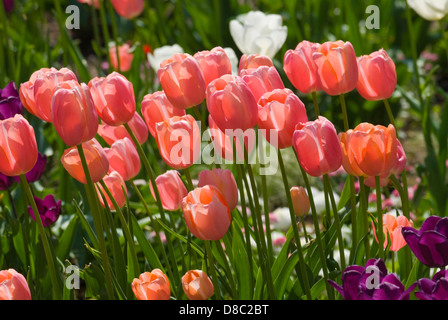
x,y
114,98
262,80
128,9
125,56
300,68
317,147
157,108
279,112
300,201
110,134
392,231
253,61
182,80
73,113
231,103
197,285
117,187
377,76
152,285
213,63
123,158
37,93
95,3
171,190
337,67
179,141
224,180
13,286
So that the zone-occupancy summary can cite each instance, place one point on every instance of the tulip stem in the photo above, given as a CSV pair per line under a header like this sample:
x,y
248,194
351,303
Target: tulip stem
x,y
344,111
96,215
389,112
316,105
379,228
49,254
363,208
212,269
305,282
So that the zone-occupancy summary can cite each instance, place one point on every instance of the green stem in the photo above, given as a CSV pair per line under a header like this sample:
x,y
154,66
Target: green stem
x,y
49,254
115,33
353,211
344,111
363,212
389,112
379,228
316,105
212,269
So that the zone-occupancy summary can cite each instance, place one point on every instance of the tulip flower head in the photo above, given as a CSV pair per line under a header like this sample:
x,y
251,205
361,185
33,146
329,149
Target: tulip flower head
x,y
197,285
214,63
117,187
128,9
165,52
171,190
300,201
125,57
10,103
430,10
49,209
152,285
110,134
435,288
224,180
262,80
392,228
13,286
123,158
253,61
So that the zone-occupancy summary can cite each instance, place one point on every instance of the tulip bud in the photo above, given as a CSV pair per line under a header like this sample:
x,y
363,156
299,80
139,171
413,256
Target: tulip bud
x,y
300,201
152,285
128,9
197,285
171,190
10,103
49,210
123,158
125,56
213,63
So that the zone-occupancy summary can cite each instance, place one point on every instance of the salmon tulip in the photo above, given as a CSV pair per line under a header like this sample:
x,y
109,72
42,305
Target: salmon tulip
x,y
337,67
197,285
117,187
182,80
125,57
96,159
128,9
114,98
262,80
253,61
300,201
152,285
110,134
224,180
171,190
317,147
206,213
13,286
392,231
73,113
377,77
123,158
18,146
214,63
279,111
37,93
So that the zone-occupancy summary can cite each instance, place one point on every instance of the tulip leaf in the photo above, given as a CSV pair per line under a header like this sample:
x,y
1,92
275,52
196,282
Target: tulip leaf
x,y
66,239
241,265
345,195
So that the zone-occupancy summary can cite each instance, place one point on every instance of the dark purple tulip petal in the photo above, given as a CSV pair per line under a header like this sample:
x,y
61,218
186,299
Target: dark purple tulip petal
x,y
437,246
429,224
9,5
10,103
435,289
441,289
442,227
49,209
6,182
10,91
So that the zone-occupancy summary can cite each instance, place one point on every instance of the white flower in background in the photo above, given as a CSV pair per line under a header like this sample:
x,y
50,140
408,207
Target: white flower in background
x,y
163,53
233,59
319,199
280,219
258,33
430,9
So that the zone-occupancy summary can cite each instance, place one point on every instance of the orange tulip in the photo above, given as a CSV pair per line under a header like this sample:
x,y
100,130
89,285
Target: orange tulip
x,y
206,213
73,113
373,149
197,285
18,147
213,63
182,80
179,141
392,227
262,80
253,61
300,68
171,190
125,56
128,9
152,285
157,108
279,111
231,103
123,158
96,159
37,93
117,187
13,286
300,201
114,98
317,147
110,134
337,67
95,3
377,76
224,180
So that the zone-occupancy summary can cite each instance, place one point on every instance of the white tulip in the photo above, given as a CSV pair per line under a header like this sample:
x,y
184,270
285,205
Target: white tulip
x,y
430,9
258,33
163,53
233,59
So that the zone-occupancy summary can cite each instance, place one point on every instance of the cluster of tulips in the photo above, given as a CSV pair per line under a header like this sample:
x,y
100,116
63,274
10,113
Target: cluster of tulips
x,y
236,103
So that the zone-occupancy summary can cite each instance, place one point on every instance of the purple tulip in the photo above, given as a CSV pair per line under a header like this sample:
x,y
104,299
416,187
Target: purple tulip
x,y
6,182
430,243
435,289
10,103
9,5
371,282
48,208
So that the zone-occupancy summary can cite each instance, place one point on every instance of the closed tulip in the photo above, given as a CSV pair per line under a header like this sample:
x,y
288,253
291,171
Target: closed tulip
x,y
224,180
49,209
300,201
392,230
377,77
157,108
36,94
18,147
317,147
231,103
206,213
337,67
13,286
300,68
73,113
95,3
197,285
117,187
262,80
110,134
214,63
96,159
123,158
253,61
428,9
10,103
182,80
279,111
156,57
171,190
114,98
152,285
125,57
128,9
179,141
